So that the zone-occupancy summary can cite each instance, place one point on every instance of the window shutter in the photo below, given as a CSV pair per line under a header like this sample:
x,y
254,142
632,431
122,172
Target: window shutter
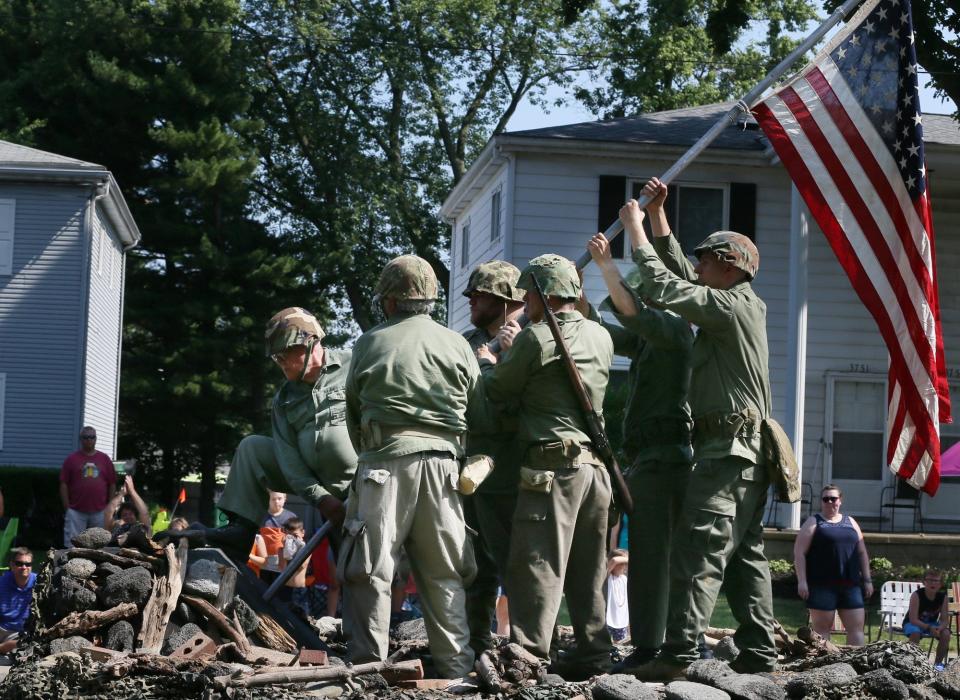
x,y
743,208
8,211
613,190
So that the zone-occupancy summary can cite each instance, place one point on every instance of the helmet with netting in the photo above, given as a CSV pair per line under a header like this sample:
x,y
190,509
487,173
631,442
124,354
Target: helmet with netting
x,y
734,248
557,276
407,277
289,327
496,277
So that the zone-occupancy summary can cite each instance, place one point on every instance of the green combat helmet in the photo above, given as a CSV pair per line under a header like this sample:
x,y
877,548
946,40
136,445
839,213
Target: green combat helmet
x,y
407,277
735,248
496,277
289,327
557,276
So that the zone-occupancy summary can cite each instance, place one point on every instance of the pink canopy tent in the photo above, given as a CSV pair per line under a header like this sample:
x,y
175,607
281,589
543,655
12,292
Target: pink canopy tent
x,y
950,461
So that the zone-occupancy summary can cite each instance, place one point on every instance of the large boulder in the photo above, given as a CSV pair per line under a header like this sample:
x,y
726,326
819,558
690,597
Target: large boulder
x,y
947,683
73,596
120,636
79,568
620,686
882,685
745,686
92,538
810,682
726,650
203,579
69,644
685,690
248,618
708,671
132,585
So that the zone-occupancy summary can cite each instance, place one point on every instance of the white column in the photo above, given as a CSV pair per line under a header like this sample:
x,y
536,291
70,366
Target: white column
x,y
797,333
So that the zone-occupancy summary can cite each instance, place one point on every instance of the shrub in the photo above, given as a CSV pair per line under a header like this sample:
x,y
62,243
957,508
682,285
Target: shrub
x,y
880,564
33,495
780,566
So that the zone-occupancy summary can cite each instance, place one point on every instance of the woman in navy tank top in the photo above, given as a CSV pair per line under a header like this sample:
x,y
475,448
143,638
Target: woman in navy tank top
x,y
832,565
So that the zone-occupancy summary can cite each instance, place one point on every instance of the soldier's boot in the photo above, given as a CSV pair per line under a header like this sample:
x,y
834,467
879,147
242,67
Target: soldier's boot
x,y
636,659
572,667
235,538
659,670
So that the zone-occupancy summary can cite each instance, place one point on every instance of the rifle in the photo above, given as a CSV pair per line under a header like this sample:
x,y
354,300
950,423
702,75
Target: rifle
x,y
598,437
298,560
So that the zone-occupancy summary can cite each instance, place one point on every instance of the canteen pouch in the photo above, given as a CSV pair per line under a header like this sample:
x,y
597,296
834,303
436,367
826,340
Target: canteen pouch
x,y
781,461
538,480
474,472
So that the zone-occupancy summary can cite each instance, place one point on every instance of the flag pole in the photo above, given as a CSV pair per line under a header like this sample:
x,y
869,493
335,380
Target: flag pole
x,y
742,107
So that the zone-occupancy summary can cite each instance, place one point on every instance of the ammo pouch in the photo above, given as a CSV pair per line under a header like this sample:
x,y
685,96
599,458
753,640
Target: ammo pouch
x,y
726,426
781,461
538,480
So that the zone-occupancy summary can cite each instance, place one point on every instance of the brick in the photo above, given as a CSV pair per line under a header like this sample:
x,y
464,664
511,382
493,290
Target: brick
x,y
198,645
428,684
313,657
101,653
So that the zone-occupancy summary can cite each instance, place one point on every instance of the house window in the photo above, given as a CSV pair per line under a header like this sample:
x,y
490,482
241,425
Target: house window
x,y
8,211
465,244
495,216
856,427
694,211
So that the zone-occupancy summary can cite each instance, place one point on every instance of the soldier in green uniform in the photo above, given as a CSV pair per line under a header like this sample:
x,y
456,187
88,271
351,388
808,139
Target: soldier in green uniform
x,y
729,397
656,443
558,543
495,301
409,388
310,453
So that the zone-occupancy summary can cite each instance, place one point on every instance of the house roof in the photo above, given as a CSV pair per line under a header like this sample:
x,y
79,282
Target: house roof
x,y
667,132
682,127
24,164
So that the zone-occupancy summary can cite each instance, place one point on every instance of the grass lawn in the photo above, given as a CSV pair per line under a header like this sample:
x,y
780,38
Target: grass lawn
x,y
792,614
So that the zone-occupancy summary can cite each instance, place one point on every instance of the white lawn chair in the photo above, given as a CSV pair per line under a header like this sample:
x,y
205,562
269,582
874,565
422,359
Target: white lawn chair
x,y
894,605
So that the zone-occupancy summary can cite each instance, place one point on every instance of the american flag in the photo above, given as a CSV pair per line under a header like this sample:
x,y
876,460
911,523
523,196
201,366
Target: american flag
x,y
849,131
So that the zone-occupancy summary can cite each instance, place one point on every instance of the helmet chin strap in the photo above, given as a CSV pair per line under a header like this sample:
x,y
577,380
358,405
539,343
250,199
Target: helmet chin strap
x,y
306,359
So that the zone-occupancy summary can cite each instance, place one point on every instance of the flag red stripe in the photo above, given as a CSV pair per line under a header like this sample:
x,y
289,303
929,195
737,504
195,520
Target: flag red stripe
x,y
851,134
943,385
874,237
822,213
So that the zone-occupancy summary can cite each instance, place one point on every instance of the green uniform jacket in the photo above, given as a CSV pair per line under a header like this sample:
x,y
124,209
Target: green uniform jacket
x,y
532,372
500,443
310,435
410,372
730,373
656,421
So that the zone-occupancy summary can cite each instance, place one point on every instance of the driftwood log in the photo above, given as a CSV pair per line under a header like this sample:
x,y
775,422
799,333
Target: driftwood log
x,y
138,555
274,636
224,625
487,670
116,559
81,622
228,587
403,670
163,600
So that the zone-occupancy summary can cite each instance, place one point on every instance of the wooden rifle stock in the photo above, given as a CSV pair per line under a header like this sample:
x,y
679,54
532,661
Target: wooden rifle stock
x,y
598,437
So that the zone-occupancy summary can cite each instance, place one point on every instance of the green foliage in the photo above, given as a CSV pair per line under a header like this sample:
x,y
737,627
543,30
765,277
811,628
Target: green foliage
x,y
671,54
780,567
33,495
880,564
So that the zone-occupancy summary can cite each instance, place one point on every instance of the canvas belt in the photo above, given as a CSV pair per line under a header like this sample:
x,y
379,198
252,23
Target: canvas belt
x,y
570,453
721,424
374,435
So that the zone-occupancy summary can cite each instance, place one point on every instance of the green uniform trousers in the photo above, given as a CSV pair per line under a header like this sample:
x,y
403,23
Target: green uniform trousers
x,y
658,490
407,501
721,543
558,547
490,514
253,471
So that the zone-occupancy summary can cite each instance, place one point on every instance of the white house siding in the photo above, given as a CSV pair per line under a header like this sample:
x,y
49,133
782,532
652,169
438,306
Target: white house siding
x,y
41,316
481,249
556,211
101,374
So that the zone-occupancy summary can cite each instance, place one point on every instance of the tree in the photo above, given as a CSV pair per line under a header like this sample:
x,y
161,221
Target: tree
x,y
373,110
154,92
680,53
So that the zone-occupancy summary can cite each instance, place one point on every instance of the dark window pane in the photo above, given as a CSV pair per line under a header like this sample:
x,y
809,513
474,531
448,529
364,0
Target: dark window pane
x,y
700,213
857,456
465,245
495,216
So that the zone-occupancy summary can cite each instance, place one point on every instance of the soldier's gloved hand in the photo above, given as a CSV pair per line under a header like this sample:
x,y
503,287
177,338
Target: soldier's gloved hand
x,y
332,509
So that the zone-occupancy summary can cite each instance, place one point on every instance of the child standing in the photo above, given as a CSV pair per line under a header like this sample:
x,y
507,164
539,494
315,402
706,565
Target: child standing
x,y
293,542
618,617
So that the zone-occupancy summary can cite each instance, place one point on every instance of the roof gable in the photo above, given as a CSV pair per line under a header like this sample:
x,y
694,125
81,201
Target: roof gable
x,y
12,154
